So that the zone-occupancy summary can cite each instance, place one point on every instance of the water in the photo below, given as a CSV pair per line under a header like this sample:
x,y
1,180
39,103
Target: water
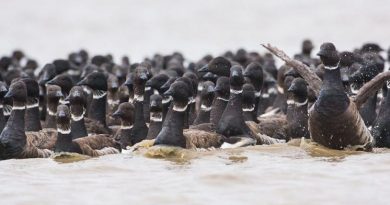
x,y
279,174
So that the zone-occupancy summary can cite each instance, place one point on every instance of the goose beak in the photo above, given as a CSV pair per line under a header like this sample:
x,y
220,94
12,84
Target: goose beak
x,y
83,82
59,94
210,89
52,82
204,69
61,113
292,88
153,103
9,94
148,83
117,114
129,82
143,76
246,74
67,98
169,92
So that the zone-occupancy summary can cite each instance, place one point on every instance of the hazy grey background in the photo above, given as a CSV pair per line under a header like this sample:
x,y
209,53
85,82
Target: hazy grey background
x,y
48,29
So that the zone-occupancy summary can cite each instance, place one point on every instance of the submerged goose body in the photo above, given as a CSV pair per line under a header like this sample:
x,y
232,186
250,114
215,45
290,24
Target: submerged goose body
x,y
172,130
94,145
334,121
96,121
13,141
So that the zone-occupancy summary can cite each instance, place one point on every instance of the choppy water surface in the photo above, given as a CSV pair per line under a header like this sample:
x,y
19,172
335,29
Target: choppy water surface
x,y
278,174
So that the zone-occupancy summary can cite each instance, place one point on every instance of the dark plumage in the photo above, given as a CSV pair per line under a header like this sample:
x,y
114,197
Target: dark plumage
x,y
94,145
206,100
219,66
156,120
333,120
297,116
97,81
13,141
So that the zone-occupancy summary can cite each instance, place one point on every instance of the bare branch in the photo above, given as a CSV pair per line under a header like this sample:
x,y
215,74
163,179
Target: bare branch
x,y
310,77
370,88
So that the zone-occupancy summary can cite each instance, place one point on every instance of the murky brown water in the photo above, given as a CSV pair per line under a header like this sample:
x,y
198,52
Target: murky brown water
x,y
278,174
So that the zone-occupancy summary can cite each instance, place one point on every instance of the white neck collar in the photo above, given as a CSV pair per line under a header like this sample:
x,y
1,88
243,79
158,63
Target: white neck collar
x,y
332,67
180,109
131,100
258,94
167,100
223,99
51,113
97,94
235,91
191,100
112,102
34,105
353,89
18,107
205,108
139,98
126,127
273,90
156,117
249,109
76,118
65,132
265,95
297,104
147,88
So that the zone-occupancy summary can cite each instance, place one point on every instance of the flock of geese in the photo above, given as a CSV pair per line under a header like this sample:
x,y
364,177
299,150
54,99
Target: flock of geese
x,y
94,106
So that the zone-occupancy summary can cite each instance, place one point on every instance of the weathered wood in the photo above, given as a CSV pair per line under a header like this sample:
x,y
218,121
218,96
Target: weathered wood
x,y
310,77
370,88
